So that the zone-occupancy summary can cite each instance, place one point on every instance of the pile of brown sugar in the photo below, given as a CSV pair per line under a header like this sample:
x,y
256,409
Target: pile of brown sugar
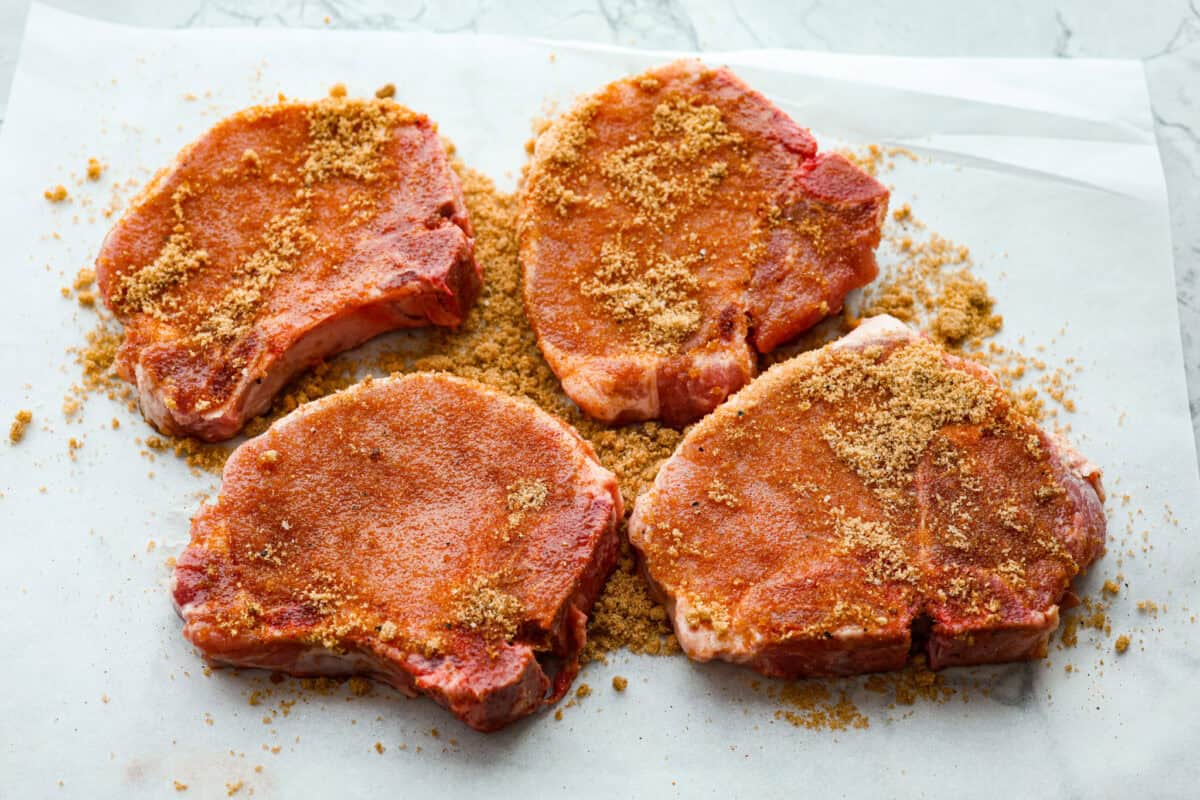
x,y
928,281
813,705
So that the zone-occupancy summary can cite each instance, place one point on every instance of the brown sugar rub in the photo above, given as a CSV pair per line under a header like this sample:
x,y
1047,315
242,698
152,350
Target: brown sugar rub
x,y
672,226
889,496
372,532
285,234
16,431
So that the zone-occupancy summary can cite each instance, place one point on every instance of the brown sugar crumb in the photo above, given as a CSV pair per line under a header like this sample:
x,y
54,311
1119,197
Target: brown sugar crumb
x,y
197,454
56,194
84,279
1148,607
94,169
180,786
682,134
1070,631
925,269
872,158
233,788
268,457
1111,587
583,691
337,90
285,237
1122,643
812,705
96,362
718,492
527,495
491,611
569,133
379,748
619,683
141,291
887,559
922,396
625,616
964,311
1089,614
16,431
386,91
657,299
633,452
915,682
347,137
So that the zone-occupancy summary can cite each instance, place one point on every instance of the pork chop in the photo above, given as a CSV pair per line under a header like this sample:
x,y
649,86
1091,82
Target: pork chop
x,y
674,224
856,498
425,531
285,234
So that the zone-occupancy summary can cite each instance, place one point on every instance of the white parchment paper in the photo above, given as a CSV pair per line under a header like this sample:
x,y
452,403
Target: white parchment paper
x,y
1048,170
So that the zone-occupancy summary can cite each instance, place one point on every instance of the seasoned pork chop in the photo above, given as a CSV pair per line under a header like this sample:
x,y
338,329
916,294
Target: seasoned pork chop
x,y
672,225
854,493
285,234
425,531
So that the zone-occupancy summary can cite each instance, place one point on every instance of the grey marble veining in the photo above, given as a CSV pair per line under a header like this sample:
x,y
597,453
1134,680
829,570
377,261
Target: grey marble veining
x,y
1164,34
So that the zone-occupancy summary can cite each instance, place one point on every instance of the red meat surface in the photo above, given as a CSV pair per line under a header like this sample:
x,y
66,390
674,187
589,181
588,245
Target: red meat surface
x,y
285,234
674,225
425,531
857,501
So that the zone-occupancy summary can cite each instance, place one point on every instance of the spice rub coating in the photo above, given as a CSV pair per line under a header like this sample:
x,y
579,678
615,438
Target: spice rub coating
x,y
859,500
426,531
675,224
285,234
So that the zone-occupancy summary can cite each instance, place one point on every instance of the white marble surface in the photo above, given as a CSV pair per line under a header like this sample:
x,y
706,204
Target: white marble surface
x,y
1164,34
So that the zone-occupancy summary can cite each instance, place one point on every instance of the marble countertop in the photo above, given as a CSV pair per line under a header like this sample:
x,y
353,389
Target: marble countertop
x,y
1164,34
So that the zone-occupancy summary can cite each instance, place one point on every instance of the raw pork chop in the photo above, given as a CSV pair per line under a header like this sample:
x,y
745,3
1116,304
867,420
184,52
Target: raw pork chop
x,y
425,531
860,496
285,234
673,224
